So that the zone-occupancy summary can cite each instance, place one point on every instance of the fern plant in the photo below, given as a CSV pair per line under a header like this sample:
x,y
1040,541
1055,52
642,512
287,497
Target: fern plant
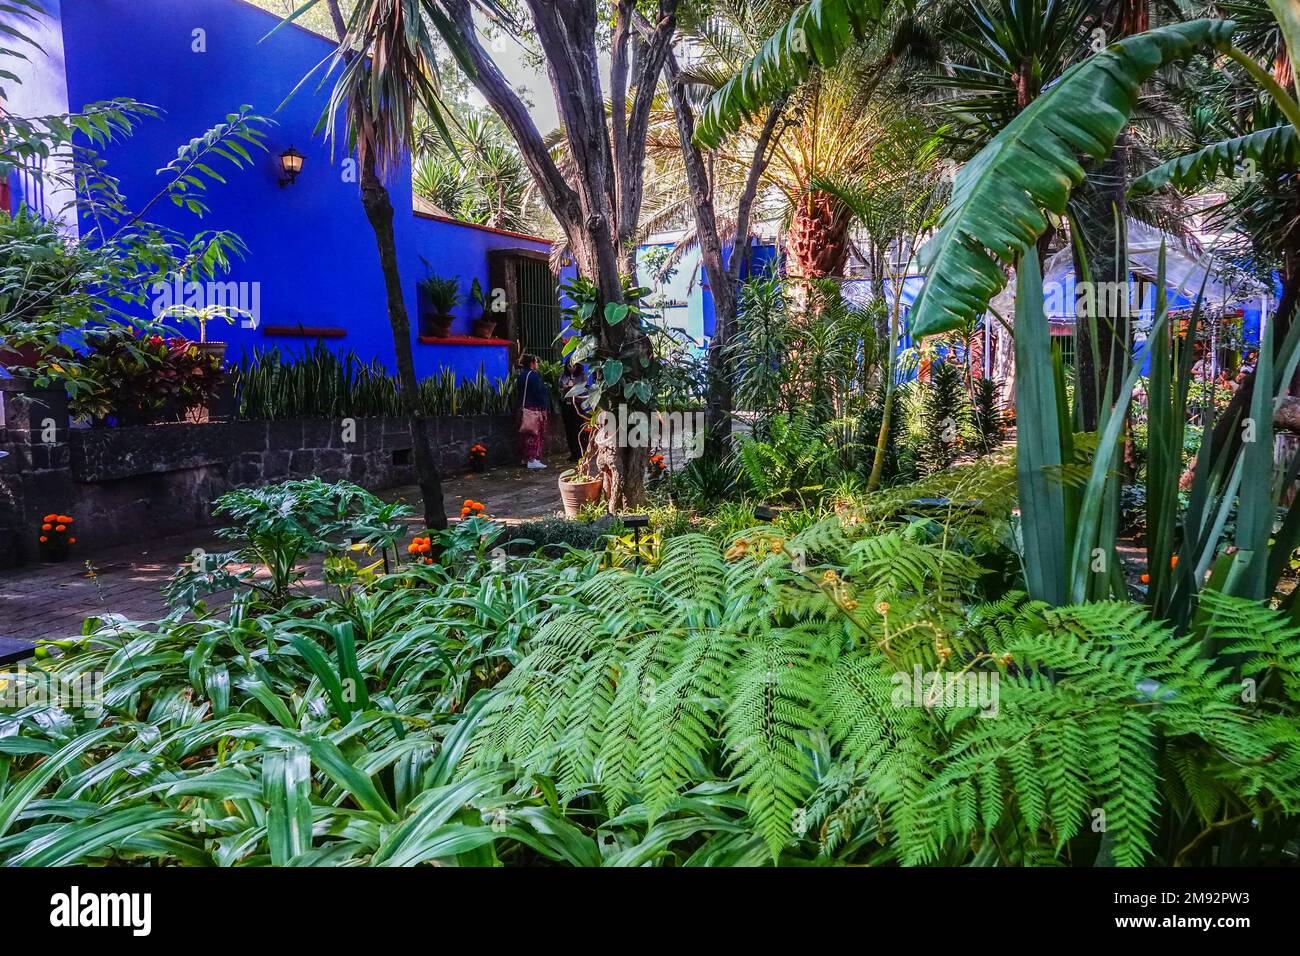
x,y
792,463
822,677
715,666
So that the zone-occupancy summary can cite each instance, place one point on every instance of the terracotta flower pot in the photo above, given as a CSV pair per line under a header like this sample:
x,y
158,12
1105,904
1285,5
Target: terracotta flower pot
x,y
435,326
577,491
485,328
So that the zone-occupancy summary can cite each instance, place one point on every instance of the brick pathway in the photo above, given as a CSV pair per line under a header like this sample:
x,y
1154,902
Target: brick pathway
x,y
50,601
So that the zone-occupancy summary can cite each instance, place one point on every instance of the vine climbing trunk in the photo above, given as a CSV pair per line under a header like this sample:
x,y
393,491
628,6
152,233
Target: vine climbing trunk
x,y
597,199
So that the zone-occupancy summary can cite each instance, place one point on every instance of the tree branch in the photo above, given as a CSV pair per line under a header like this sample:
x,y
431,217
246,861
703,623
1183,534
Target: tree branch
x,y
489,81
656,45
757,166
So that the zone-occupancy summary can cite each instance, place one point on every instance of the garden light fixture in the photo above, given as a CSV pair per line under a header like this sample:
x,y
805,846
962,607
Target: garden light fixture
x,y
291,163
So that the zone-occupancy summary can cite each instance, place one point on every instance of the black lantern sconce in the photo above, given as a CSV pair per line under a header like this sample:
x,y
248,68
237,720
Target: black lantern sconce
x,y
291,166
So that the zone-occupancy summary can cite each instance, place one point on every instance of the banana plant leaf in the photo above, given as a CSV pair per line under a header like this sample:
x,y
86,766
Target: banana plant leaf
x,y
996,212
1276,146
816,34
1038,449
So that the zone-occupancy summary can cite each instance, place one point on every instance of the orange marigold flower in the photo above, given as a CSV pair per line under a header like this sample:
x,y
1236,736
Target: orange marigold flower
x,y
72,541
1145,579
412,548
65,519
46,527
44,539
479,506
50,518
60,527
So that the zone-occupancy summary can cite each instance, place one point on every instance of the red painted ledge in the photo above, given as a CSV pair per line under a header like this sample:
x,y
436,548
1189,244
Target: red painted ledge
x,y
481,227
306,331
462,340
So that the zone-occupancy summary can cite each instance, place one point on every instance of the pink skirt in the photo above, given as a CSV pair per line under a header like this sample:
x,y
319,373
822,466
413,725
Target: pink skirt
x,y
535,445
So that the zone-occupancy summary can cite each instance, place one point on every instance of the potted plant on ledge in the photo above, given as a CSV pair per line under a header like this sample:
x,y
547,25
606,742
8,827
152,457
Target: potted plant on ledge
x,y
485,326
440,297
201,317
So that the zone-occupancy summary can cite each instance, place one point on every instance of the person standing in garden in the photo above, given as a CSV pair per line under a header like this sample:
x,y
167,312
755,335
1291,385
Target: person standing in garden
x,y
534,401
573,393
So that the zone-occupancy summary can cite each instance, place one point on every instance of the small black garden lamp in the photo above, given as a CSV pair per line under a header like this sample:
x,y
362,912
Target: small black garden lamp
x,y
636,523
291,164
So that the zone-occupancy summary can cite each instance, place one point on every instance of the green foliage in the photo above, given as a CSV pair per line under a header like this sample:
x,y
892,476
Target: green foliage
x,y
139,379
945,411
817,34
323,384
553,535
484,180
50,285
787,684
703,482
440,294
795,461
987,415
1277,146
818,357
319,733
996,208
774,701
277,526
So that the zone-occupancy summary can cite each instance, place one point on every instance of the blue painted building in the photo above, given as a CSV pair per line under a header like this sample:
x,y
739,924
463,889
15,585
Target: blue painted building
x,y
311,255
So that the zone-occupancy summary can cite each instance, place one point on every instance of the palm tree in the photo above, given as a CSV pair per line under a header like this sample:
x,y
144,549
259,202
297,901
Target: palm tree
x,y
384,64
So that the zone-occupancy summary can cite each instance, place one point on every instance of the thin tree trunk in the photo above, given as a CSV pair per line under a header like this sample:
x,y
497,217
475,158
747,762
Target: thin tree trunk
x,y
723,277
379,210
1101,212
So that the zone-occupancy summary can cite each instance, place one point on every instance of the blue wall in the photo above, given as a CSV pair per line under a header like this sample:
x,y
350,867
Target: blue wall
x,y
310,245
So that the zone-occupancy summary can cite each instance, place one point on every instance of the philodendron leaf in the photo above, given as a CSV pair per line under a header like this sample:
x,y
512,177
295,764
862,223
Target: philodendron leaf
x,y
615,312
612,371
996,212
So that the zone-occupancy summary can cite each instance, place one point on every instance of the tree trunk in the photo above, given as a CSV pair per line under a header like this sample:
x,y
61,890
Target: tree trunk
x,y
818,242
1100,210
723,277
379,210
598,204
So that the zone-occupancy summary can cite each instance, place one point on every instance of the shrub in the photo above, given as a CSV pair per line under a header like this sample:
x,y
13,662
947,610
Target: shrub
x,y
135,379
988,419
553,534
944,411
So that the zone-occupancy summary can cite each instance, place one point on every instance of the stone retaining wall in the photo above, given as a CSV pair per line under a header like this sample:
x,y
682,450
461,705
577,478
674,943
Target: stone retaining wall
x,y
124,485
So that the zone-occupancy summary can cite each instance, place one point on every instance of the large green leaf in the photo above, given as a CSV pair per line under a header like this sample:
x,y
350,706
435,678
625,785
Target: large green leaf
x,y
817,34
996,212
1276,146
1038,450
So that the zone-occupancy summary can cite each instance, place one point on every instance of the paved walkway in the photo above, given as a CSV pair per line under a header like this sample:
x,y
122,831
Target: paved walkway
x,y
50,601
